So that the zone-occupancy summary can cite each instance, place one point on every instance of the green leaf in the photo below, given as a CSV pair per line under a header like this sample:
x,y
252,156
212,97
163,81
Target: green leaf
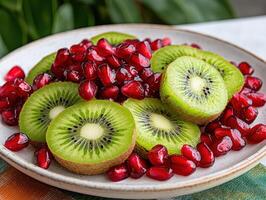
x,y
12,5
64,18
10,30
125,11
83,15
3,49
86,1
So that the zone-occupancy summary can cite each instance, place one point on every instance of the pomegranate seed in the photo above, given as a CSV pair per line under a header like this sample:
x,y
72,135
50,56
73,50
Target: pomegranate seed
x,y
158,155
17,142
154,81
106,75
113,61
90,70
258,134
253,83
23,88
238,124
196,46
159,173
4,104
123,75
93,56
258,99
125,50
207,157
139,61
228,112
109,92
206,139
240,101
104,48
13,73
131,41
10,117
86,43
62,56
156,44
78,52
88,90
146,73
190,153
57,71
42,80
75,67
212,126
245,91
73,76
221,146
166,41
137,166
133,89
44,157
249,114
131,69
181,165
118,173
245,68
8,90
144,49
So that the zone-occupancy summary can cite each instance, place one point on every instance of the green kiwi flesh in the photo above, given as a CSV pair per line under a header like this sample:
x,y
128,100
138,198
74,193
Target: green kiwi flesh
x,y
156,124
44,105
90,137
44,65
113,38
194,89
233,78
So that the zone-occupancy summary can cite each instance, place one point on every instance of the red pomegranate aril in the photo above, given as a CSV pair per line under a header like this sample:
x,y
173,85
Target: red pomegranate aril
x,y
17,142
248,114
88,90
245,91
131,41
8,90
212,126
181,165
146,73
221,146
258,99
23,88
106,75
253,83
133,89
13,73
190,153
131,69
113,61
156,44
206,138
93,56
109,93
78,52
62,56
144,48
123,75
90,70
228,112
104,48
137,166
58,71
154,81
125,50
207,156
10,117
158,155
196,46
73,76
238,124
44,157
118,173
86,43
42,80
166,41
4,104
245,68
258,134
159,173
240,101
139,61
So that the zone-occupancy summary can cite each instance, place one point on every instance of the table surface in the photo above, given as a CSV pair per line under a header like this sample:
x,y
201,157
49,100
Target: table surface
x,y
248,33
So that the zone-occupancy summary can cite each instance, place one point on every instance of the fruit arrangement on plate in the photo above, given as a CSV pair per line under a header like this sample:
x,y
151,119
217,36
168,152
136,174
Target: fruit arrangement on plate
x,y
126,107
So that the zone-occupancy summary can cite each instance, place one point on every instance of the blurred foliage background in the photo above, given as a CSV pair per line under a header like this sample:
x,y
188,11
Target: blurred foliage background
x,y
22,21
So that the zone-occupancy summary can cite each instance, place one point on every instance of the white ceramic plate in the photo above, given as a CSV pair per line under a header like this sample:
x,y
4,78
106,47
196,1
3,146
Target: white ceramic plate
x,y
225,168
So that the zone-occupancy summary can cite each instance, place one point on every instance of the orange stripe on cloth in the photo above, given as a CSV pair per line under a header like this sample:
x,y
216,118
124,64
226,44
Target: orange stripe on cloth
x,y
14,185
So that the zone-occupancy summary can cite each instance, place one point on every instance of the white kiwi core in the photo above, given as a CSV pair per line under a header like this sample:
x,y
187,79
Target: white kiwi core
x,y
91,131
161,122
55,111
197,84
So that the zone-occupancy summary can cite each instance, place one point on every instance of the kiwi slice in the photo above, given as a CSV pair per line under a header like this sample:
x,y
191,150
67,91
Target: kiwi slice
x,y
113,38
156,124
44,65
194,89
44,105
90,137
233,78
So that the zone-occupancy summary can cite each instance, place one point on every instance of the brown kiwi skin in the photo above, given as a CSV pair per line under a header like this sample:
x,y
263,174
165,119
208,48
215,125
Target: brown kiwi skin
x,y
99,168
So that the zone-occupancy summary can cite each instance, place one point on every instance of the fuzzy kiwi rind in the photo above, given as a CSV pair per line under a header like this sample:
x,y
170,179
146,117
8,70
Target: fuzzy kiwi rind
x,y
43,66
92,156
233,78
114,38
198,104
157,124
34,116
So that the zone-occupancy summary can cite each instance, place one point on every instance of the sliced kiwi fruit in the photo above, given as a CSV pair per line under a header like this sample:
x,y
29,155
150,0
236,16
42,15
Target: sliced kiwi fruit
x,y
156,124
44,105
113,38
233,78
194,89
90,137
44,65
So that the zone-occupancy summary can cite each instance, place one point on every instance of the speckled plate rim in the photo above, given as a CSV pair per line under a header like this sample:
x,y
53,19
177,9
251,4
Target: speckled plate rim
x,y
217,177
